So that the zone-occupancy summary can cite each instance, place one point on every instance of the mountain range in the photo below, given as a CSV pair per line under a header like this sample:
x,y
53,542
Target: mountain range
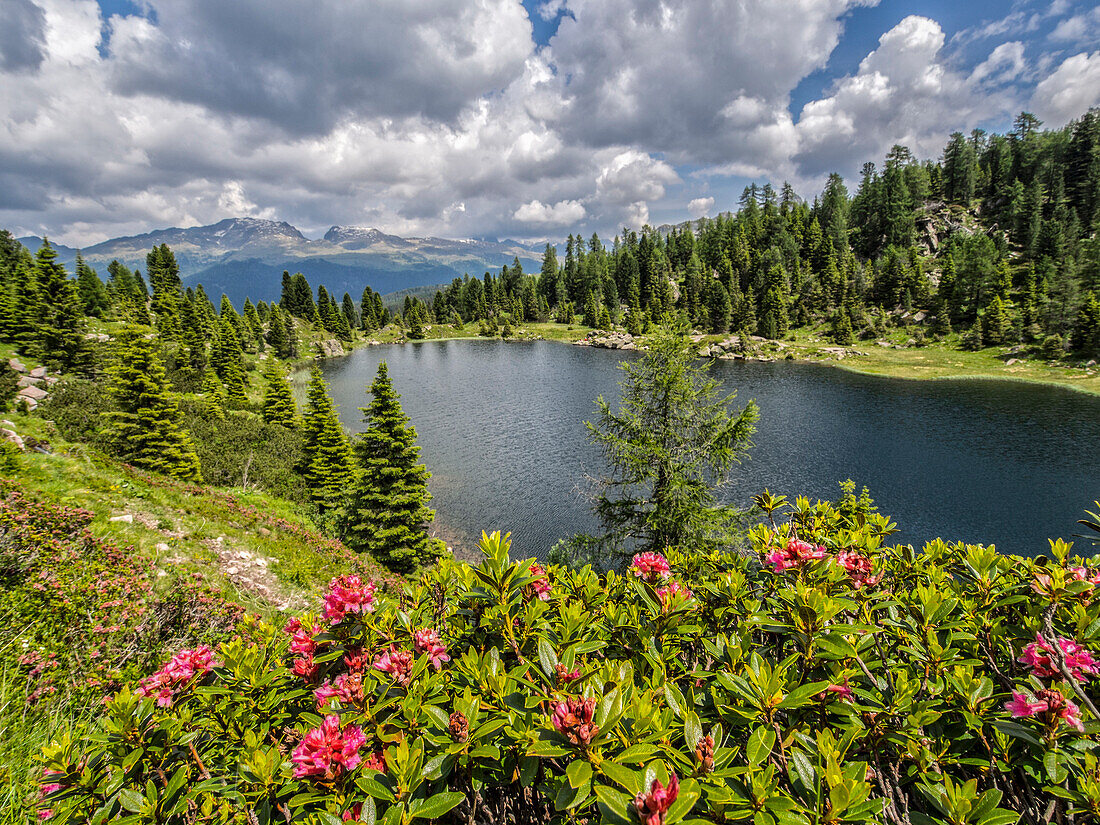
x,y
246,257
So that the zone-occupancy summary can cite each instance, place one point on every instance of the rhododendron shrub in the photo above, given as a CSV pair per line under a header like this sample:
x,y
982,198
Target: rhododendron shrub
x,y
820,676
81,616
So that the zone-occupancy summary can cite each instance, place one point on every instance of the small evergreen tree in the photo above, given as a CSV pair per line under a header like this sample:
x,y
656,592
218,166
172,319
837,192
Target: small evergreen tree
x,y
213,398
327,464
144,424
93,294
58,330
995,323
278,400
1086,332
227,359
842,328
388,514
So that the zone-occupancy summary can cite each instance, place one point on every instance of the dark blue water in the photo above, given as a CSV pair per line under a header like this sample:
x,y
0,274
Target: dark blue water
x,y
501,426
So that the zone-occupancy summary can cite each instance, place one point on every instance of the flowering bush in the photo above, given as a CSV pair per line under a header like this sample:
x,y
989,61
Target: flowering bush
x,y
822,677
81,616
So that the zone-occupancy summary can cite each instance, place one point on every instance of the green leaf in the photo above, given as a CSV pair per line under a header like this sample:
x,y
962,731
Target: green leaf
x,y
578,773
685,801
547,748
693,730
434,807
631,780
760,745
131,800
548,658
613,806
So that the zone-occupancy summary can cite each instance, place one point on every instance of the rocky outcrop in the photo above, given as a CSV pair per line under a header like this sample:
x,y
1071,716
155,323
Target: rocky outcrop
x,y
607,340
330,348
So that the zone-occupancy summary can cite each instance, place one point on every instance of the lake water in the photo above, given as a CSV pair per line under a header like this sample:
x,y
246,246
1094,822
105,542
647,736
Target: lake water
x,y
501,427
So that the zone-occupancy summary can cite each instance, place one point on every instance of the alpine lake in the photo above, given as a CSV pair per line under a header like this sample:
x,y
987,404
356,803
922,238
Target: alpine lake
x,y
501,427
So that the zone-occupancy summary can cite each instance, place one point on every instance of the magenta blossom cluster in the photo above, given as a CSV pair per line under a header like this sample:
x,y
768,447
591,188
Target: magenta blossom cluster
x,y
347,595
348,688
303,645
673,593
428,641
1049,706
540,587
1079,661
652,807
650,567
397,663
795,554
180,670
573,720
328,751
858,567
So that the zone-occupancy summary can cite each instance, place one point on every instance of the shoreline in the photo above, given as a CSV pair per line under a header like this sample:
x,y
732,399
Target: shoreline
x,y
859,364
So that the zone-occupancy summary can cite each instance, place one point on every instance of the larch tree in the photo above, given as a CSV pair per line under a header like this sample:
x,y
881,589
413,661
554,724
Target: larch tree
x,y
669,448
143,425
388,514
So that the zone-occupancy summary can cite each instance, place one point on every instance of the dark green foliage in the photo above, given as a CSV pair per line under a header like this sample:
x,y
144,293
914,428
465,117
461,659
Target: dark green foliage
x,y
842,328
242,450
227,360
92,293
669,447
213,396
56,332
76,407
995,323
143,426
1086,332
388,514
278,400
164,278
326,465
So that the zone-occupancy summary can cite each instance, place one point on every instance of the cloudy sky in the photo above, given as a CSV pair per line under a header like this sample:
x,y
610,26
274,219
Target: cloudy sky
x,y
495,118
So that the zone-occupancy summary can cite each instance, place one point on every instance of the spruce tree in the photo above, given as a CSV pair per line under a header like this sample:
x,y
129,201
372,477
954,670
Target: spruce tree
x,y
388,514
227,359
327,463
276,333
213,398
60,323
278,400
144,424
92,292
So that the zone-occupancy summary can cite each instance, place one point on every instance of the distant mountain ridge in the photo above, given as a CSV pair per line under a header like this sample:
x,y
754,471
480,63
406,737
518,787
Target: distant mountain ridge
x,y
247,256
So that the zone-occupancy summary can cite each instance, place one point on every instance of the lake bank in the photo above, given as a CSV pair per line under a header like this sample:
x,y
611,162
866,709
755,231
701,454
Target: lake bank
x,y
888,357
502,430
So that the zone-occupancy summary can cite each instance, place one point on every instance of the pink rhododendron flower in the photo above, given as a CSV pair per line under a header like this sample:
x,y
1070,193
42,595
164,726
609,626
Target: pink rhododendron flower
x,y
573,720
1049,706
1081,574
375,761
650,567
348,688
302,638
795,554
673,592
858,567
356,660
564,675
1079,661
652,808
540,587
397,663
354,813
328,751
347,595
428,641
841,690
180,669
305,667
